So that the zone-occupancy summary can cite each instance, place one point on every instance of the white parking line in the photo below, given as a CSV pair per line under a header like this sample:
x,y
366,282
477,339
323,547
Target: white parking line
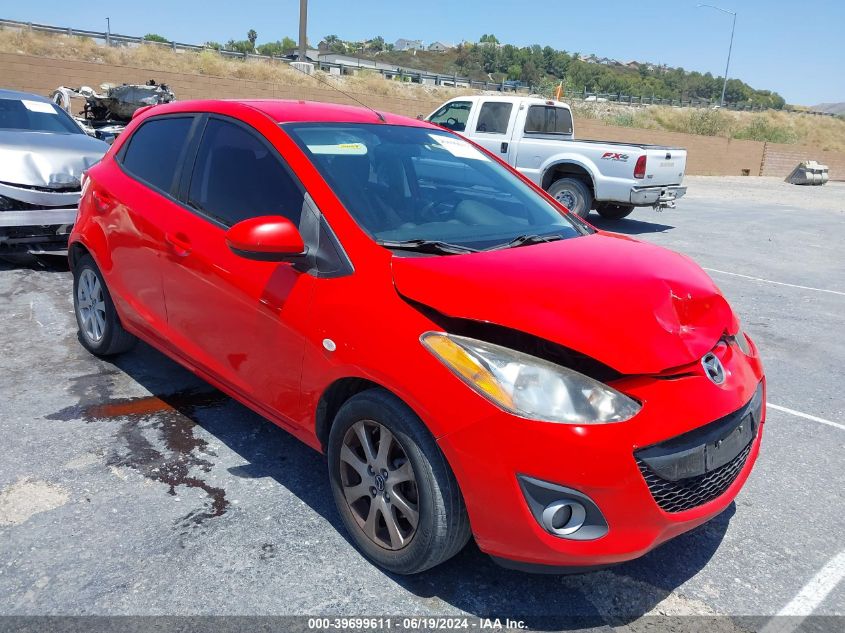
x,y
806,416
779,283
811,596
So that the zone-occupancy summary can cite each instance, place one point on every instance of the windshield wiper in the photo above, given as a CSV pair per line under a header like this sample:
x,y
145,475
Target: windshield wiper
x,y
427,246
526,240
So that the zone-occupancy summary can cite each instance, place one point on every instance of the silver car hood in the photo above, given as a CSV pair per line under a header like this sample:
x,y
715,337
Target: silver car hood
x,y
44,159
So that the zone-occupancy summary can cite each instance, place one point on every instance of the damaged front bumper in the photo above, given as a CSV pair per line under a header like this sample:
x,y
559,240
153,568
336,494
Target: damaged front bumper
x,y
35,219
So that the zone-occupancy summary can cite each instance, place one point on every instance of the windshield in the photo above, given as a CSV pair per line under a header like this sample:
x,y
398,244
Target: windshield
x,y
35,116
409,183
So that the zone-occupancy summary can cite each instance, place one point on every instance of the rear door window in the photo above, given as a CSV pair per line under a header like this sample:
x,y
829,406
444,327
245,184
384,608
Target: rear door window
x,y
493,117
155,151
548,120
237,176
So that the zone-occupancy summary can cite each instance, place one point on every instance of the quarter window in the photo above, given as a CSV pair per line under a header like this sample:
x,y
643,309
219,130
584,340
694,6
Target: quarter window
x,y
493,117
237,176
155,149
548,120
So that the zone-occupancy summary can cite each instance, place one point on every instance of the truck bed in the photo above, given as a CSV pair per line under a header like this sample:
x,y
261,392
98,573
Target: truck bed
x,y
616,143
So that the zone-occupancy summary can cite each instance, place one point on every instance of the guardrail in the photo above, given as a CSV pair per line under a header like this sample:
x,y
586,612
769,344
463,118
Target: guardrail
x,y
398,73
643,100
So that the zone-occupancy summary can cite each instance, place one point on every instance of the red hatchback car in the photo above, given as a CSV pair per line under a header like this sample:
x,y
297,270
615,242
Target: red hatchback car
x,y
473,359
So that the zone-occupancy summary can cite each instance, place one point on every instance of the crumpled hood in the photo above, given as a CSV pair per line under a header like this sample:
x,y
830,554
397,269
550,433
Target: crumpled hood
x,y
42,159
638,308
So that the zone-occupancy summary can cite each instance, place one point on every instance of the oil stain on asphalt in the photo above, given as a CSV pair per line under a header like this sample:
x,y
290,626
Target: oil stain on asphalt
x,y
179,454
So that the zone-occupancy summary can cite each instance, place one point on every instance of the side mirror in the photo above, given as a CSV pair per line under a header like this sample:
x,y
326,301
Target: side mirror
x,y
269,238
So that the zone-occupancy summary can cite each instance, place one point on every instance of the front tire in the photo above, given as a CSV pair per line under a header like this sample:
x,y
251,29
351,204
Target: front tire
x,y
614,211
100,330
573,194
391,484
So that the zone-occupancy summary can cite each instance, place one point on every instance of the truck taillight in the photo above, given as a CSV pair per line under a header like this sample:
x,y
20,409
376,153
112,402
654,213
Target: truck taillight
x,y
639,169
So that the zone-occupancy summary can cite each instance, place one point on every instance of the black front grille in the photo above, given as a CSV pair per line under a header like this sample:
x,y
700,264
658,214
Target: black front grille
x,y
685,494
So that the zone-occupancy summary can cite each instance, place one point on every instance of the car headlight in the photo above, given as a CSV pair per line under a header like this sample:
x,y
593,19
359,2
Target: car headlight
x,y
528,386
742,342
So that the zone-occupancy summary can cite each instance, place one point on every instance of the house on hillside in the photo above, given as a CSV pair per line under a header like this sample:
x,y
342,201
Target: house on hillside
x,y
589,59
439,47
408,45
633,65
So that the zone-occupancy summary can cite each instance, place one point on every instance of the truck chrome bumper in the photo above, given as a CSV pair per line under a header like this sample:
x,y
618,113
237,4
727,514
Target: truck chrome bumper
x,y
656,196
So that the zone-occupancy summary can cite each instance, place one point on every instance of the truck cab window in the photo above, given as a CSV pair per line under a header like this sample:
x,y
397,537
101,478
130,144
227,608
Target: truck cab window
x,y
493,117
548,120
453,115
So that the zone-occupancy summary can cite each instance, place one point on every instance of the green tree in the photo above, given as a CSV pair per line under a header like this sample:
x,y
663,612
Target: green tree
x,y
239,46
276,48
155,37
252,36
217,46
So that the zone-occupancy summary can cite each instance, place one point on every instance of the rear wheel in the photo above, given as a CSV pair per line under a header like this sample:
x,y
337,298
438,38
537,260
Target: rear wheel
x,y
614,211
573,194
392,486
100,330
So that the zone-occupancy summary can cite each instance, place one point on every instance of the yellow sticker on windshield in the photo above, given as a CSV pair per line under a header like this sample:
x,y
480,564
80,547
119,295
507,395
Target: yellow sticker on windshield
x,y
340,149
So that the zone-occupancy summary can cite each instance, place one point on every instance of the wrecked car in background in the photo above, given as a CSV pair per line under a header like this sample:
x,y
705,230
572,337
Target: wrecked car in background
x,y
43,154
105,114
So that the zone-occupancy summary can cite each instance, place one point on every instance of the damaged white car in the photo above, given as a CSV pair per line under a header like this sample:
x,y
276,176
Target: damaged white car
x,y
43,154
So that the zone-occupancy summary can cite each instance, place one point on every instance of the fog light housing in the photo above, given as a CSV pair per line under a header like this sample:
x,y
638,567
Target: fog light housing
x,y
564,517
562,511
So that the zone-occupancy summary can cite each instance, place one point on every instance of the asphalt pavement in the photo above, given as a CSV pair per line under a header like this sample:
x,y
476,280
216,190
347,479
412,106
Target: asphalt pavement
x,y
132,488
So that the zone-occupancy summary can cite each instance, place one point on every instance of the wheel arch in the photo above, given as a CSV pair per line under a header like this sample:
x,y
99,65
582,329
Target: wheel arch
x,y
333,398
568,168
75,251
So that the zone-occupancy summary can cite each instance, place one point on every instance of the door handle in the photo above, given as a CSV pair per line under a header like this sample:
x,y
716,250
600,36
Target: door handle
x,y
504,148
179,243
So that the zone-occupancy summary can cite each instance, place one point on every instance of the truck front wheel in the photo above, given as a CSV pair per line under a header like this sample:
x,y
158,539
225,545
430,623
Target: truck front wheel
x,y
573,194
614,211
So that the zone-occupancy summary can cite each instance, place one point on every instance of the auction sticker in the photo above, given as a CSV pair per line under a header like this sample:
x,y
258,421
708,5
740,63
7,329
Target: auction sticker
x,y
458,148
39,106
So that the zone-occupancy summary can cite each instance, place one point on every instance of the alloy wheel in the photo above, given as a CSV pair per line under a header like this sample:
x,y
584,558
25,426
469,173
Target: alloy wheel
x,y
379,485
91,306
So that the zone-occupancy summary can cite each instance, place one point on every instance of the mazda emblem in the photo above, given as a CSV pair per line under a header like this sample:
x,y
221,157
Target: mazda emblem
x,y
713,368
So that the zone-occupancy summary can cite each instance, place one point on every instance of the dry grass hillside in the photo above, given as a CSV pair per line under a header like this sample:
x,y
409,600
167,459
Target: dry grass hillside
x,y
208,62
826,133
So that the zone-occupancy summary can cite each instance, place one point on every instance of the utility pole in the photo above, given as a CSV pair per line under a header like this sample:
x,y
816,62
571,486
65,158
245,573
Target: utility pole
x,y
108,32
303,24
730,47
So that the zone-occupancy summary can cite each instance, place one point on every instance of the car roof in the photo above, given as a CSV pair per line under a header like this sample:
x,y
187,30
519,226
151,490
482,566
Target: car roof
x,y
288,110
14,94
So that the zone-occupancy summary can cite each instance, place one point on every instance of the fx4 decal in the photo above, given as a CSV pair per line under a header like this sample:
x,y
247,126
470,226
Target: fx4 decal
x,y
615,156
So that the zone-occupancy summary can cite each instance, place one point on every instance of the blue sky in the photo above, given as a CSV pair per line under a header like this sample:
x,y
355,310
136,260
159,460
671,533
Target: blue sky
x,y
778,46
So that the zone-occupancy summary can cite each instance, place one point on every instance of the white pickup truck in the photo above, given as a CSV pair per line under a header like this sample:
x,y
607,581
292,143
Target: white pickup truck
x,y
537,137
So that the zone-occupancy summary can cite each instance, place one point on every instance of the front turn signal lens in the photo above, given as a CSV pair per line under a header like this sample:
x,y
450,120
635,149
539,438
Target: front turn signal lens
x,y
466,367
